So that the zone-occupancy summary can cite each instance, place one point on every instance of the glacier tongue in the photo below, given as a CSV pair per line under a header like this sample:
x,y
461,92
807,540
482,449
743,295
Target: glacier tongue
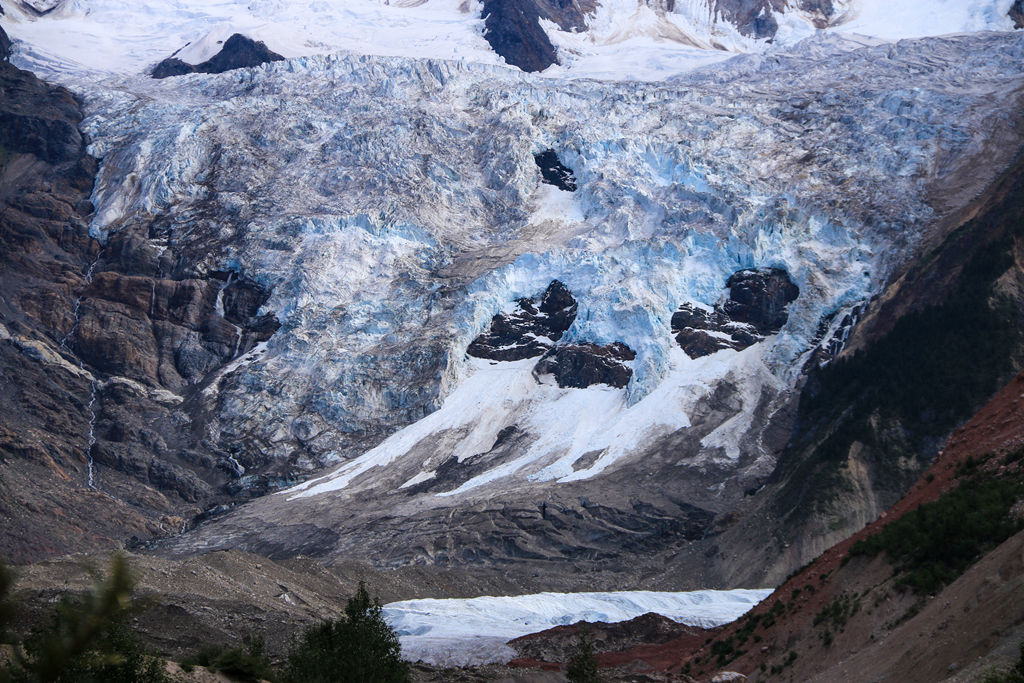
x,y
449,632
391,206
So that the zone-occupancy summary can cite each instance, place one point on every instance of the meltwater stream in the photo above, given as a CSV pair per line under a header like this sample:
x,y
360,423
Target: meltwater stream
x,y
93,383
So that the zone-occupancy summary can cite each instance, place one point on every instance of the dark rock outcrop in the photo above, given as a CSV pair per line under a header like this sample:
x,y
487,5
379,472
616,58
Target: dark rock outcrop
x,y
512,28
172,66
530,330
760,297
583,365
5,46
1017,13
554,172
756,308
40,120
239,52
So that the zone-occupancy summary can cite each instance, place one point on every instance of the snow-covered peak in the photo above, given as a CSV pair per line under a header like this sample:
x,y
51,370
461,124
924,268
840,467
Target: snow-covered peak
x,y
622,39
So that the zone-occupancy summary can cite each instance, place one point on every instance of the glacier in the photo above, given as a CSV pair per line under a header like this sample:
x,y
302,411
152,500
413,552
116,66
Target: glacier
x,y
390,204
450,632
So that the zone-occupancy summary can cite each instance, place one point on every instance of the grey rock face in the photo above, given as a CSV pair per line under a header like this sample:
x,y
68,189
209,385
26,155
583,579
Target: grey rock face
x,y
570,15
753,18
5,45
37,119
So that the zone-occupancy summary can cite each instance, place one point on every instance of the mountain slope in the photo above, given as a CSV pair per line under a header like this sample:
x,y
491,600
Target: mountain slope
x,y
927,353
855,620
301,258
481,481
854,613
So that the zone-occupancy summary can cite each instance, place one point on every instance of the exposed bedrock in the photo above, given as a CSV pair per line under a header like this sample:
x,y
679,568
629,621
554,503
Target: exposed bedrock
x,y
5,45
554,171
583,365
756,307
530,329
238,52
1017,13
169,332
512,27
570,15
754,18
40,120
104,352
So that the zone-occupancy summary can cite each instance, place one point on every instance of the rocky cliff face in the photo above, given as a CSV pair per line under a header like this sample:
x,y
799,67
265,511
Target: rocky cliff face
x,y
513,29
99,343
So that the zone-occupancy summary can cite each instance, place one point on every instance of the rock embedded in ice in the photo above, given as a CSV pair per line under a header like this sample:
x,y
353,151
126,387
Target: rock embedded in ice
x,y
554,171
528,330
582,365
756,306
760,297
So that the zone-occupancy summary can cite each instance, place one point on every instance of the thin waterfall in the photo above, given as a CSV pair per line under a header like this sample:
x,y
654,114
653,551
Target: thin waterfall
x,y
93,383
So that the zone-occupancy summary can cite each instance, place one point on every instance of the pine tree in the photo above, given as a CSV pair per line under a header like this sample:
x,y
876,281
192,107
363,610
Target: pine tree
x,y
357,649
582,666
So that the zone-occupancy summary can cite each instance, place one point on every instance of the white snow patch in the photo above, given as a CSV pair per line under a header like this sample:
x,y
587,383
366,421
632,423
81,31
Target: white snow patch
x,y
460,632
564,424
899,19
556,204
